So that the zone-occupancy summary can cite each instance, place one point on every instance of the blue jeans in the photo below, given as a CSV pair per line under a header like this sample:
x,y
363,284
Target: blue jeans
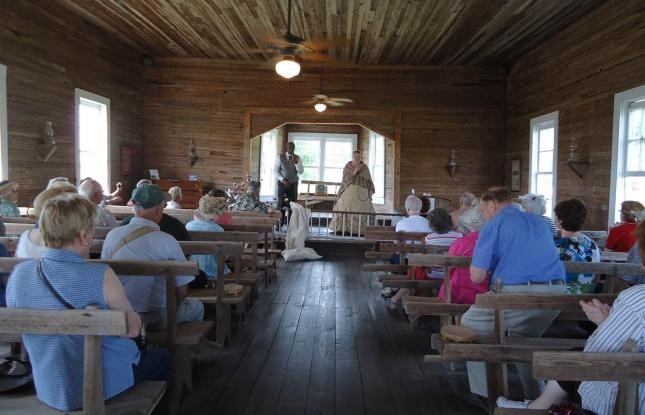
x,y
155,363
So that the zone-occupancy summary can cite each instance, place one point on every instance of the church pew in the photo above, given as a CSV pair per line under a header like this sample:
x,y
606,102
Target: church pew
x,y
180,338
626,367
91,324
268,262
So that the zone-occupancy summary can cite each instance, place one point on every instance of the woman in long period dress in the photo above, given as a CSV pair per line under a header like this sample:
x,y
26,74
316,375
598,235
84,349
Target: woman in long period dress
x,y
354,195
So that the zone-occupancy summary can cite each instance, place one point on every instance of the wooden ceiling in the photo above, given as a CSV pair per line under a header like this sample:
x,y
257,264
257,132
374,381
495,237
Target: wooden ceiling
x,y
399,32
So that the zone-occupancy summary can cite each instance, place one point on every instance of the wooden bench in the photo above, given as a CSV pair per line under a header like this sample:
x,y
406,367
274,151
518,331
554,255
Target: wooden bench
x,y
91,324
267,261
180,338
16,229
626,367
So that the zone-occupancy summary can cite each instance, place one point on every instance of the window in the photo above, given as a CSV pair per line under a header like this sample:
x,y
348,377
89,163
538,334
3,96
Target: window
x,y
268,152
377,166
324,155
628,150
544,157
92,137
4,134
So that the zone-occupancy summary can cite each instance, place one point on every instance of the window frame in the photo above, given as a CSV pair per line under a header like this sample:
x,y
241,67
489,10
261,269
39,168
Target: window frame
x,y
373,136
622,102
83,94
536,125
272,180
322,138
4,132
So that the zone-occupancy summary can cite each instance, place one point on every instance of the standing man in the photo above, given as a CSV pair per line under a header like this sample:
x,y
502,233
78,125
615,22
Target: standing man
x,y
287,168
516,248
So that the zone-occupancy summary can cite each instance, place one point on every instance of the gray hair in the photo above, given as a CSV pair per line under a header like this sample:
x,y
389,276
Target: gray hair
x,y
254,187
53,182
88,187
534,204
413,203
143,182
175,192
466,198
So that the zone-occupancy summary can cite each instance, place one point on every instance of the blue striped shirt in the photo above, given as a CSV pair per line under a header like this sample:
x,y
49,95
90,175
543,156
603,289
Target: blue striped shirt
x,y
626,321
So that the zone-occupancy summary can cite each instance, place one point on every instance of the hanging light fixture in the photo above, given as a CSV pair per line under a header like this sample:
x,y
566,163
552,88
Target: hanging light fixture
x,y
287,67
320,107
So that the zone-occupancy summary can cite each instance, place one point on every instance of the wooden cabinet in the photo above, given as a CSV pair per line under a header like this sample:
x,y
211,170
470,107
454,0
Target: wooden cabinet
x,y
191,191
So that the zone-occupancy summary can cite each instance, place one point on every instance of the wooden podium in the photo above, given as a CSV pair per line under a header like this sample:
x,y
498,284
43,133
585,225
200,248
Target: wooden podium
x,y
191,191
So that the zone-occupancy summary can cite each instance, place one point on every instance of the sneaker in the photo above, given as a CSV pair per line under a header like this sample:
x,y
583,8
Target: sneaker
x,y
504,402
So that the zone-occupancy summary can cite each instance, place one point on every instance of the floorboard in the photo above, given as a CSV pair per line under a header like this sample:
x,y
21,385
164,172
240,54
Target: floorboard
x,y
320,340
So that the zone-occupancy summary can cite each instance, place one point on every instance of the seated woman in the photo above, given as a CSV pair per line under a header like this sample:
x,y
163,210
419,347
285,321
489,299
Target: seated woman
x,y
209,211
442,235
574,245
414,222
621,237
466,200
625,320
63,279
537,205
8,199
31,243
175,203
250,201
354,195
463,290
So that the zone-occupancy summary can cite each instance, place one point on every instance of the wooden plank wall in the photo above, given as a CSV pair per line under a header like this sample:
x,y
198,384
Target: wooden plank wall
x,y
48,53
441,107
578,73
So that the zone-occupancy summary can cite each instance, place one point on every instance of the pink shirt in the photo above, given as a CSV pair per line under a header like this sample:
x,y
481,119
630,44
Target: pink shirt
x,y
463,290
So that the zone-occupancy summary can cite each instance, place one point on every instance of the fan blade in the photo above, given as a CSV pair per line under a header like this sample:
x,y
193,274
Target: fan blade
x,y
325,44
333,103
320,96
318,58
341,99
310,102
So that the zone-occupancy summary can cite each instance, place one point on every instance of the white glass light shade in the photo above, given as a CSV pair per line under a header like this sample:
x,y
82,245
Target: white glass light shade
x,y
287,68
320,107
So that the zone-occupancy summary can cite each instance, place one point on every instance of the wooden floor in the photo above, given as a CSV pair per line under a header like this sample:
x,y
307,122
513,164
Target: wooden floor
x,y
320,340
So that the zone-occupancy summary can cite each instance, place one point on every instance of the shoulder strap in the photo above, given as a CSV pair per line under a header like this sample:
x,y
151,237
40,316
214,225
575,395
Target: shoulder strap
x,y
135,234
41,273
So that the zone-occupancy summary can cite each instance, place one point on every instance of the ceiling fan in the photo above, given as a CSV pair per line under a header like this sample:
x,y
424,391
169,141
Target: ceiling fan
x,y
292,48
321,101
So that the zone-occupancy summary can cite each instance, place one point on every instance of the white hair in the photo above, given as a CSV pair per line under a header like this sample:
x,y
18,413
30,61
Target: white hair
x,y
175,192
88,187
413,204
53,182
467,198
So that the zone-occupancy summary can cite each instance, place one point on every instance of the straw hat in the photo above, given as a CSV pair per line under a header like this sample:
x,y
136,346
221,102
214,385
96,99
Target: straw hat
x,y
472,219
6,185
210,207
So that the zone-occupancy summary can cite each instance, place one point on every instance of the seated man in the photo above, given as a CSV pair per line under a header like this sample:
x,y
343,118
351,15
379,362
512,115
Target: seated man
x,y
517,249
167,223
141,239
93,191
466,201
250,201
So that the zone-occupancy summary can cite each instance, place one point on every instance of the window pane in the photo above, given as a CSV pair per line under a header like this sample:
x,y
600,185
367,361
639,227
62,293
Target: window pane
x,y
546,139
545,161
634,188
634,155
309,150
337,153
545,188
92,141
635,124
267,162
333,174
311,173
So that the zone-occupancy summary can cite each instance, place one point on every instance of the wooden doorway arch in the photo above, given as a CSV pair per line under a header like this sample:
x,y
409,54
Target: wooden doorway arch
x,y
258,120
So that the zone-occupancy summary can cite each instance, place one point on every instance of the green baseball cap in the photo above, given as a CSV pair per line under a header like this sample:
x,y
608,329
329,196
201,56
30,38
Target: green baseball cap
x,y
149,196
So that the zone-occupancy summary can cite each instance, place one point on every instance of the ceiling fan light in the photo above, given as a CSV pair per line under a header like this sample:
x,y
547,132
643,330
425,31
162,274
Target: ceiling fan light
x,y
320,107
287,67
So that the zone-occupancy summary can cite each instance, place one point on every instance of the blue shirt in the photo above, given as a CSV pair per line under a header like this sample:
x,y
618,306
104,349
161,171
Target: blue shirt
x,y
634,258
57,361
207,263
518,248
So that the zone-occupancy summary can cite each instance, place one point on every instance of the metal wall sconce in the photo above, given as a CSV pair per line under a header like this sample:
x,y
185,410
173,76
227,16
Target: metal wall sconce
x,y
48,146
192,154
452,163
579,167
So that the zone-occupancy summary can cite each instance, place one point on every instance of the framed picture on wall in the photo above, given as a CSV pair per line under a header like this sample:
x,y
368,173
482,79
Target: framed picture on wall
x,y
515,175
126,160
